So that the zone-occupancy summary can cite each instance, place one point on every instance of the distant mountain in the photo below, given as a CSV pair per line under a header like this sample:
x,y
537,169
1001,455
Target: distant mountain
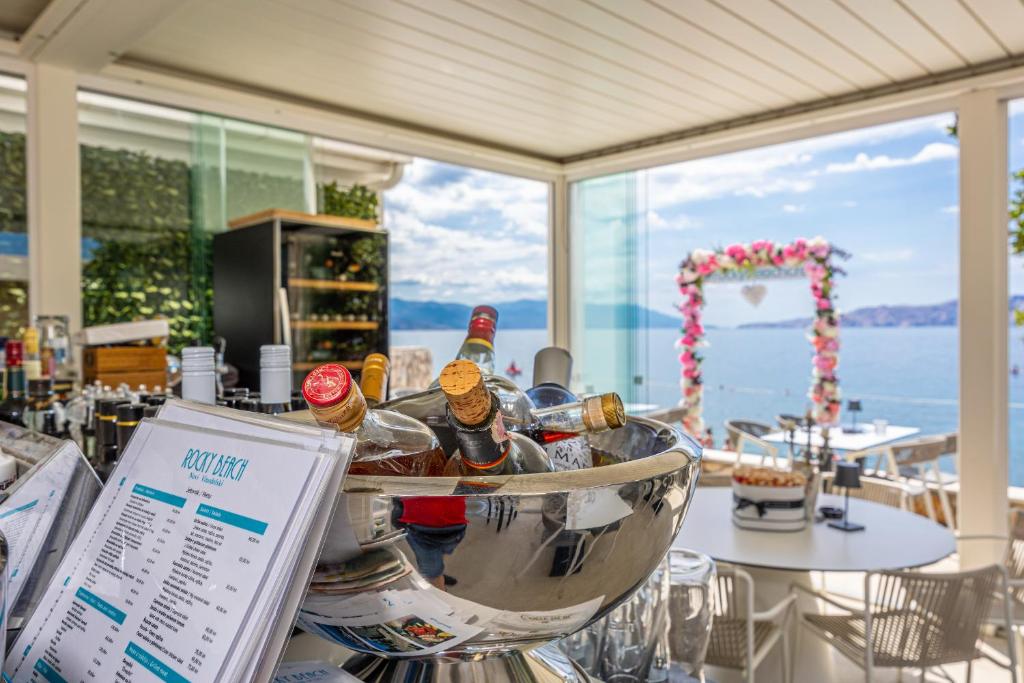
x,y
943,314
524,314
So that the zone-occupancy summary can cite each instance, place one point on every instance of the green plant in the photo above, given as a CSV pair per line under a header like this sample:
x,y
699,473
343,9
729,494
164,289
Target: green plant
x,y
357,201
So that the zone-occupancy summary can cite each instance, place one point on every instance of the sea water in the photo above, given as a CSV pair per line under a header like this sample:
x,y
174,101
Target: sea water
x,y
907,376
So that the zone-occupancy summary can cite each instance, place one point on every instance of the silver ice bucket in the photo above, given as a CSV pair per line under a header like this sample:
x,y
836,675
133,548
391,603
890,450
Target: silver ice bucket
x,y
436,579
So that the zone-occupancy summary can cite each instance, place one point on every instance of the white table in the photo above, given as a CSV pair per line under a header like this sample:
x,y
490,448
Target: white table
x,y
892,539
841,441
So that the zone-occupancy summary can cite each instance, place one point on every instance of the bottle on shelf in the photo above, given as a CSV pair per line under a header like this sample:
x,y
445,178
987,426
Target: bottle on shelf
x,y
13,407
373,379
106,435
387,443
40,402
275,378
31,362
128,417
198,374
485,446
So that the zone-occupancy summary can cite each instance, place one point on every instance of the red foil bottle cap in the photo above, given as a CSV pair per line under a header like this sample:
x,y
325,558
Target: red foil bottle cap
x,y
326,385
14,352
481,328
484,311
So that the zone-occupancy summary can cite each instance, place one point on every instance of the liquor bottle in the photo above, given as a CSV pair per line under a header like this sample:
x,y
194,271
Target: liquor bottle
x,y
485,447
429,407
373,380
552,369
40,400
106,435
128,416
198,374
12,409
479,343
387,443
275,378
31,363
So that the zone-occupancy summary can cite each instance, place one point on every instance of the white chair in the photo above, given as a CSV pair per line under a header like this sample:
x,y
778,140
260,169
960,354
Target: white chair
x,y
740,433
740,636
916,463
892,493
913,620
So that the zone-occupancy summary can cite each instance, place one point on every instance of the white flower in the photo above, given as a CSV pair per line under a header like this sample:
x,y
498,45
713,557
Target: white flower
x,y
725,261
700,256
818,241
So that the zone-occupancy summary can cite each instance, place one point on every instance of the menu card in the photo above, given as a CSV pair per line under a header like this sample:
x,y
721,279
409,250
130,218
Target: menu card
x,y
193,561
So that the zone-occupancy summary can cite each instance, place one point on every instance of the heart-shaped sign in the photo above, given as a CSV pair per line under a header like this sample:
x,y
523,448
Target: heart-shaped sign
x,y
754,294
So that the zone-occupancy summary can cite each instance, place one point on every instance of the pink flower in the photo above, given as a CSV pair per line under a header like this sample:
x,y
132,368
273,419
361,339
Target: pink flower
x,y
824,304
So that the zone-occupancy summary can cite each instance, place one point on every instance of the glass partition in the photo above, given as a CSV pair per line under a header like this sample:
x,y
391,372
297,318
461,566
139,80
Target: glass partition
x,y
13,208
886,196
609,315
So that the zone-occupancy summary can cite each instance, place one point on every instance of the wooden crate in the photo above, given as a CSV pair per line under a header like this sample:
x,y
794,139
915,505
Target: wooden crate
x,y
133,365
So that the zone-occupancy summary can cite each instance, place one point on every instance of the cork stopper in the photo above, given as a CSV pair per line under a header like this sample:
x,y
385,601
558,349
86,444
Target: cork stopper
x,y
333,397
463,386
374,379
603,412
613,410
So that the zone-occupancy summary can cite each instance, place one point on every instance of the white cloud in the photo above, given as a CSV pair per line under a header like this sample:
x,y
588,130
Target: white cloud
x,y
463,235
793,208
656,222
849,203
933,151
888,256
953,208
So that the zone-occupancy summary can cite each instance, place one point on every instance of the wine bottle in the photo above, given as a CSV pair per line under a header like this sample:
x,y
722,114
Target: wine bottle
x,y
552,369
373,380
429,407
128,417
106,435
198,374
485,446
31,364
275,378
479,343
12,409
387,443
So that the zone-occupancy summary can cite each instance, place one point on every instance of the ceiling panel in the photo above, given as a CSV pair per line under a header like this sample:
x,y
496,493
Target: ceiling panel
x,y
561,78
18,15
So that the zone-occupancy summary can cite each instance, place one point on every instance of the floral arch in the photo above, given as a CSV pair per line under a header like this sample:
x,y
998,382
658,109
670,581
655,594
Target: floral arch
x,y
814,256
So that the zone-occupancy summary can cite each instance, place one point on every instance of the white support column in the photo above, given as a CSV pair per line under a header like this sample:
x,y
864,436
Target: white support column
x,y
559,265
54,194
984,441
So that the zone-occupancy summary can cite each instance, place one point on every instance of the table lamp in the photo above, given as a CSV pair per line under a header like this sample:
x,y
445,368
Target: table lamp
x,y
853,405
848,476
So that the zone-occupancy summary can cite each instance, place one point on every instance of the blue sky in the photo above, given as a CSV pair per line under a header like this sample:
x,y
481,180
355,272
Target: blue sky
x,y
887,195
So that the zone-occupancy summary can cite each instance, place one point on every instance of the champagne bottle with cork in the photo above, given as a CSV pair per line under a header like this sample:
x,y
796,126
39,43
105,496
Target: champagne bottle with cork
x,y
387,443
485,447
478,346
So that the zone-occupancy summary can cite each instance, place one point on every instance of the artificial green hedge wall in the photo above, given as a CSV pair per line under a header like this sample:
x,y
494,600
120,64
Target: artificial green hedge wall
x,y
143,256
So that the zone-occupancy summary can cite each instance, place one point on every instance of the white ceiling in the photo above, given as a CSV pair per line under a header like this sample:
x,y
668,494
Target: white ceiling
x,y
17,15
563,78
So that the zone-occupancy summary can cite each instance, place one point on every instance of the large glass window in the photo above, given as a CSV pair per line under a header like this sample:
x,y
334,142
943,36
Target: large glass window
x,y
462,237
157,183
13,208
1016,284
886,195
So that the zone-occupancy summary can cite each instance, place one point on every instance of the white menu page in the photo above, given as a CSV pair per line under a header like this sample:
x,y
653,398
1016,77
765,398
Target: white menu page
x,y
172,561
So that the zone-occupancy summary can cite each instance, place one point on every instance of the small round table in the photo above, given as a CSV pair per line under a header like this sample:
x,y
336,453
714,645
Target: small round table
x,y
892,539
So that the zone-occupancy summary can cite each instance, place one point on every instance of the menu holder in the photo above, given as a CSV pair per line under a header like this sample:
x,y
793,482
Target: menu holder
x,y
40,514
193,562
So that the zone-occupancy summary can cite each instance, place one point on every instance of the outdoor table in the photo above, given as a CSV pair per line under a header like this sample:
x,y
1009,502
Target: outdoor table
x,y
838,440
892,539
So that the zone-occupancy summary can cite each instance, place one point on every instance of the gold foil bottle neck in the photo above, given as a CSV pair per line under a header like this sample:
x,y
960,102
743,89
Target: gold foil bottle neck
x,y
613,410
603,412
463,386
374,378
